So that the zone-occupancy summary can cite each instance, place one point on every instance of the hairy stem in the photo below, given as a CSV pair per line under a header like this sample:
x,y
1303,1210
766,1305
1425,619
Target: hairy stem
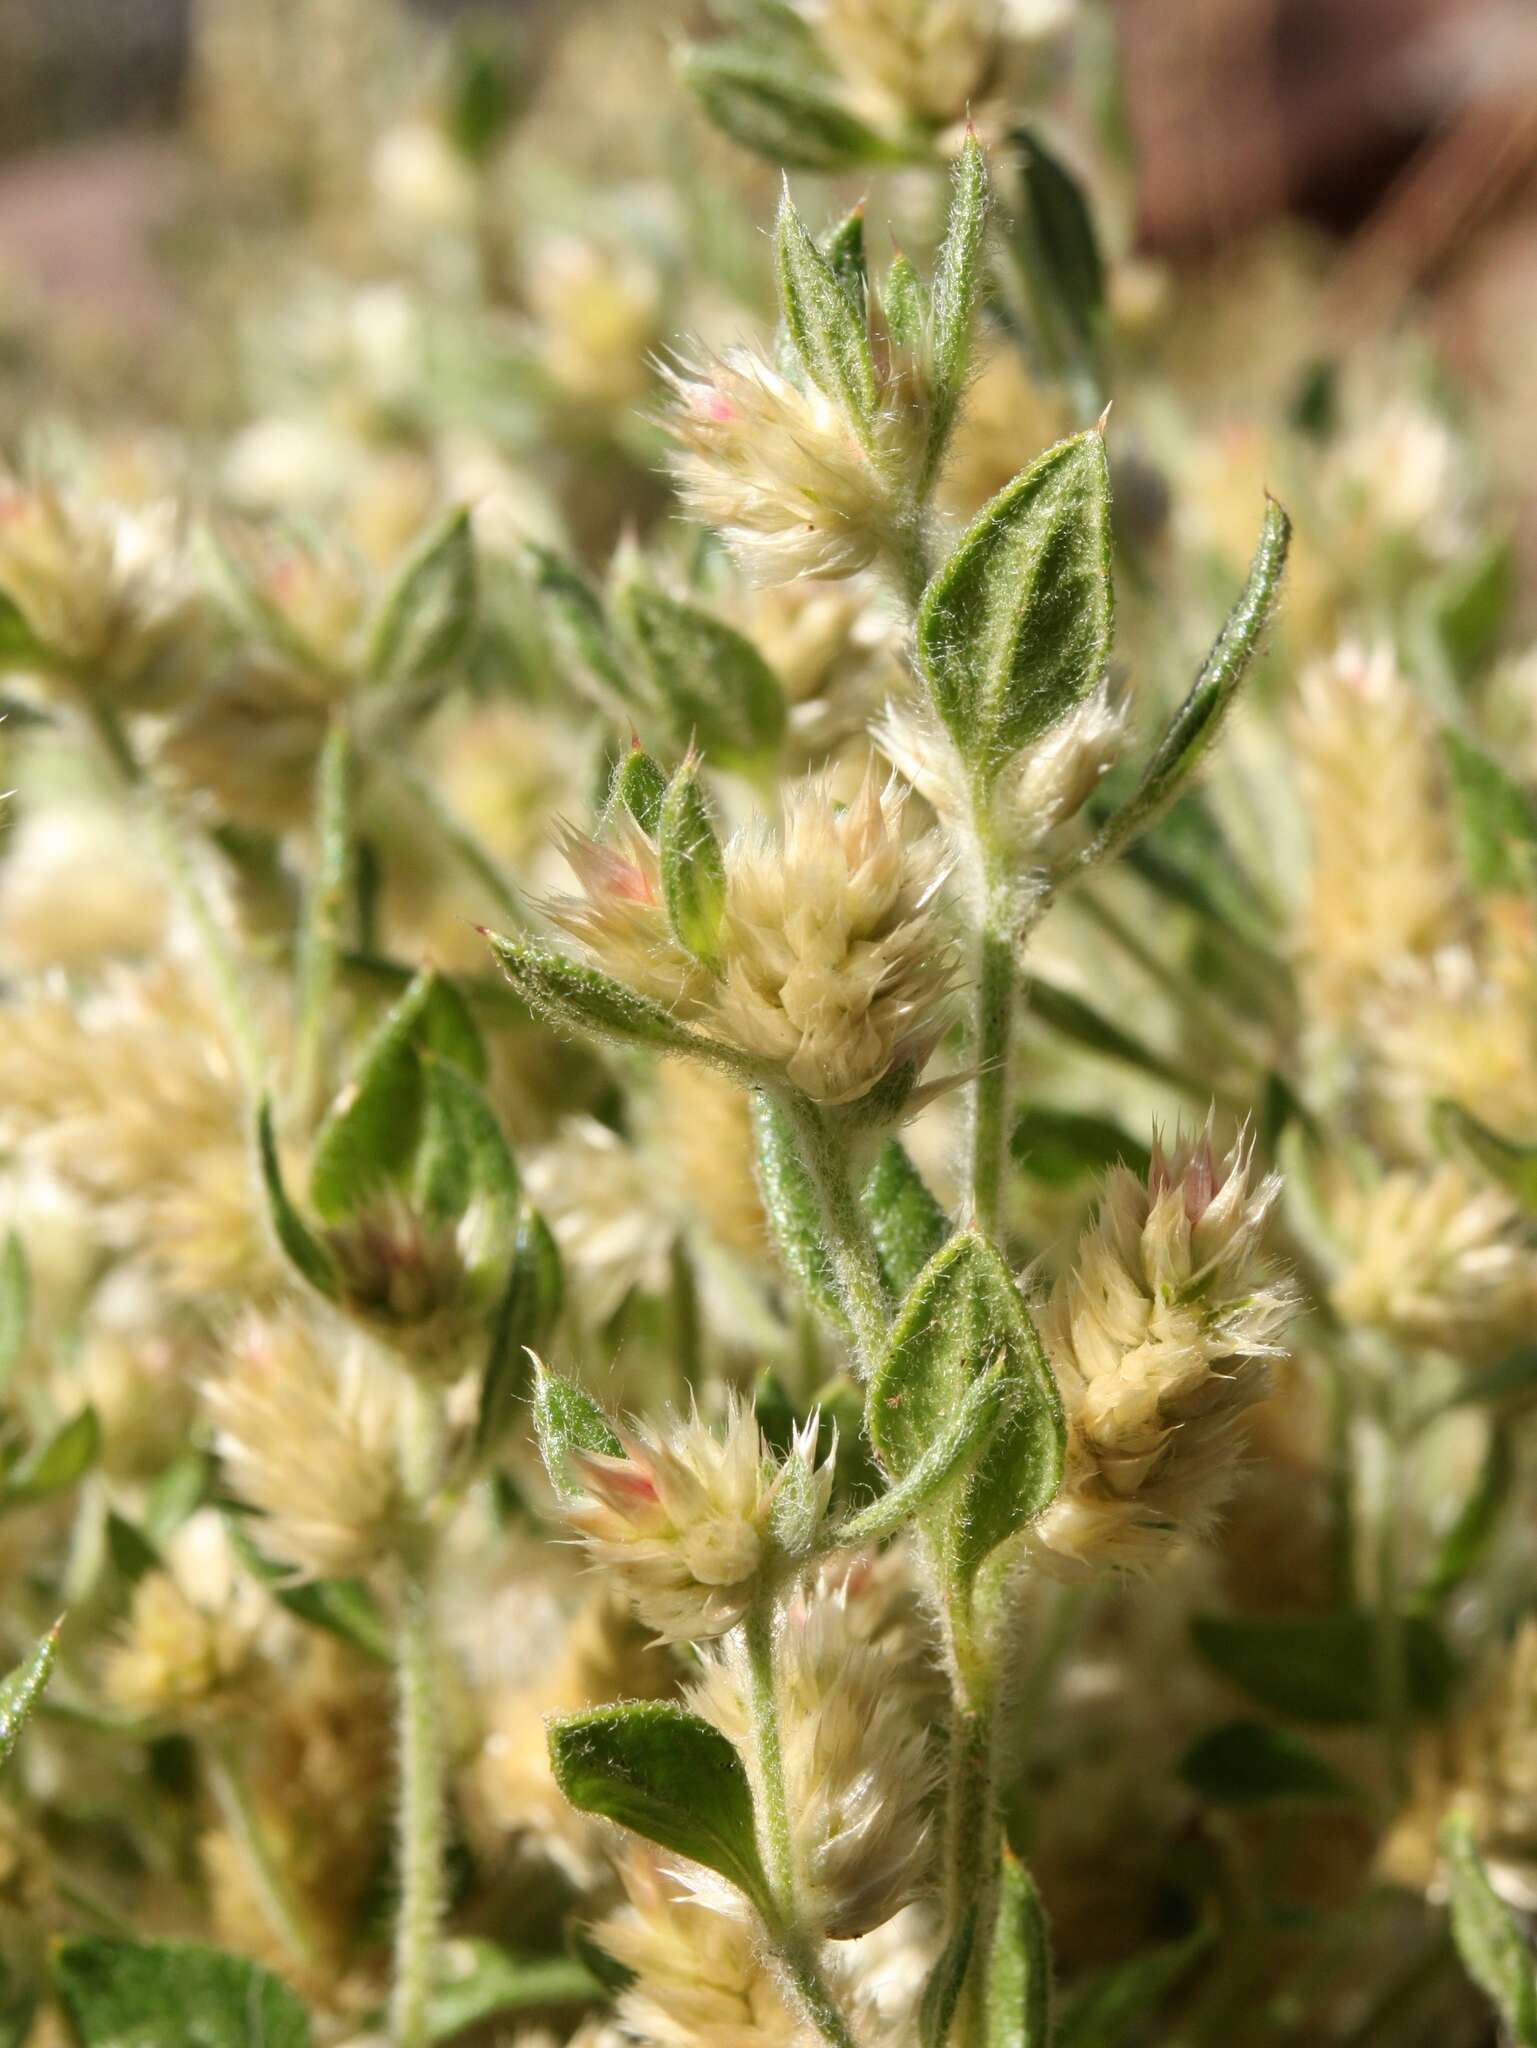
x,y
420,1812
1391,1645
176,859
272,1888
856,1265
992,1039
792,1941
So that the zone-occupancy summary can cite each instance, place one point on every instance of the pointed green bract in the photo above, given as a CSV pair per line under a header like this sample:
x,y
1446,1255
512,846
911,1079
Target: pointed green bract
x,y
1493,1948
665,1774
567,1419
428,616
693,873
582,999
21,1690
298,1243
1015,629
957,284
825,320
962,1316
844,249
371,1131
529,1310
641,787
906,305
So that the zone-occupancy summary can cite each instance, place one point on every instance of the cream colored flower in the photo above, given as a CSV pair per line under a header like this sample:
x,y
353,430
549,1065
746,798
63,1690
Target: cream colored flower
x,y
78,885
776,470
834,962
858,1773
1433,1256
685,1517
597,313
1462,1027
309,1421
1385,885
132,1095
189,1650
106,592
1159,1334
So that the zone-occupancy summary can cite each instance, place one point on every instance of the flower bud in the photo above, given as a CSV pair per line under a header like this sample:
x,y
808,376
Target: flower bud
x,y
686,1516
1159,1334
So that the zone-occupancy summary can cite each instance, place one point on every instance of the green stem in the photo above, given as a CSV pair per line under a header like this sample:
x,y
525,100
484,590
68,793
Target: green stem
x,y
463,844
991,1043
792,1941
1391,1647
175,858
272,1888
420,1830
851,1247
326,907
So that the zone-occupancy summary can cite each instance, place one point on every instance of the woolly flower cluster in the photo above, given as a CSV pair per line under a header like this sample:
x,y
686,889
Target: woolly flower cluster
x,y
1434,1258
775,469
858,1773
105,593
834,964
1159,1334
685,1516
1040,789
1385,881
309,1425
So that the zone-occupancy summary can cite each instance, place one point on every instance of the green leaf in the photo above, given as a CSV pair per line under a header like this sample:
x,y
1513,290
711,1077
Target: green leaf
x,y
1494,1951
21,1690
342,1607
906,1222
1060,1146
957,282
1196,723
825,321
844,249
129,1994
1496,819
15,1304
662,1772
65,1457
19,645
641,787
693,872
986,1400
477,1980
713,683
131,1551
567,1419
962,1315
1081,1022
1015,629
481,100
1058,257
1471,1535
428,614
1249,1763
582,999
303,1250
463,1155
1115,2005
1471,607
1514,1166
794,1210
1018,1989
1512,1379
781,117
446,1026
528,1313
1323,1667
370,1133
581,634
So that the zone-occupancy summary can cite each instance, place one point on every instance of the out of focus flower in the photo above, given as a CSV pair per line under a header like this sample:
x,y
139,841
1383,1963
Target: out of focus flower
x,y
106,596
1385,885
1159,1333
685,1517
78,886
775,469
309,1421
188,1650
597,312
1432,1257
422,184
